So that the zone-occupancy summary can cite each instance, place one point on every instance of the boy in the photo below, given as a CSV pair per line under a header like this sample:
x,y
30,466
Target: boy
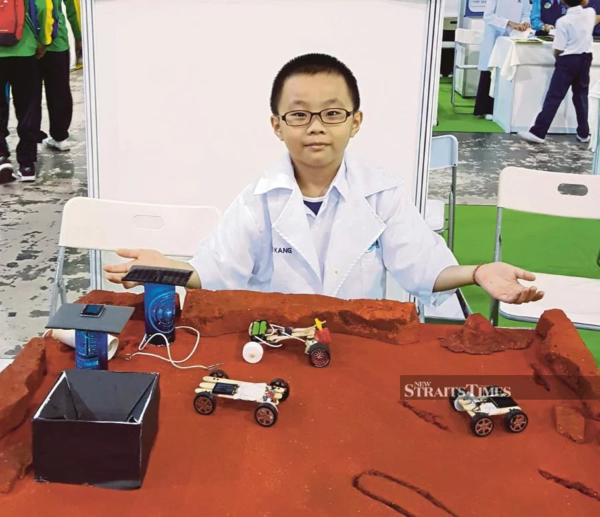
x,y
55,70
320,222
573,51
18,66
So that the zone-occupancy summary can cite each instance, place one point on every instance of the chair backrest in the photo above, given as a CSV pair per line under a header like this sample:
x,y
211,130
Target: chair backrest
x,y
468,36
443,153
108,225
550,193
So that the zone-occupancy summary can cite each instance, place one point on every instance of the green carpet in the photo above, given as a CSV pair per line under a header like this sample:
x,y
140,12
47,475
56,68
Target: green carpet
x,y
464,121
540,243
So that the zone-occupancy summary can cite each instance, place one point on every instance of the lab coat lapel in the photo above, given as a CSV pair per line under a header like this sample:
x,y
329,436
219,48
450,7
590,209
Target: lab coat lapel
x,y
355,230
292,226
286,208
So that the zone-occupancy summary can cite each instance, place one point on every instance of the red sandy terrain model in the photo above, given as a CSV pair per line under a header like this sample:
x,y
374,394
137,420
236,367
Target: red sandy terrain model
x,y
350,442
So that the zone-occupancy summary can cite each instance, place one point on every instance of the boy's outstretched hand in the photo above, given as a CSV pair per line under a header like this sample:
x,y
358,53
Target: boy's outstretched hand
x,y
141,257
501,281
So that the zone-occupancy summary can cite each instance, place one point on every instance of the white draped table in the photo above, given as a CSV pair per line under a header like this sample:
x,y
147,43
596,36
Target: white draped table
x,y
521,74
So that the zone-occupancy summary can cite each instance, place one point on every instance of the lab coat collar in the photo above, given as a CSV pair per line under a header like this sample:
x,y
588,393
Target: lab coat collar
x,y
573,9
282,176
340,182
353,176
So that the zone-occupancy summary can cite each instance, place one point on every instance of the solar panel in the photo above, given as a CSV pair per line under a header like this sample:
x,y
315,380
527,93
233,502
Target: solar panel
x,y
503,402
500,398
223,388
158,275
111,319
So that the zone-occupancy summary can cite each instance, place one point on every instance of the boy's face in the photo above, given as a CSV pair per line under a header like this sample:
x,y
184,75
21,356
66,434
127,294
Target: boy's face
x,y
316,144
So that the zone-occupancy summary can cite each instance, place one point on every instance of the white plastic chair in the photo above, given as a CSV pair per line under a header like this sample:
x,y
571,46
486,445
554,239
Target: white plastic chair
x,y
443,155
100,224
553,194
463,37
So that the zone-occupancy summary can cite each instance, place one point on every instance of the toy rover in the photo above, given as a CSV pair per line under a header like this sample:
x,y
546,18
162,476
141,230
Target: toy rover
x,y
267,396
316,340
496,402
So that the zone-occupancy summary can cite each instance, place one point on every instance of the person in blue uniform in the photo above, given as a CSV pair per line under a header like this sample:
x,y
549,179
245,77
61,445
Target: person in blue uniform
x,y
573,51
595,5
544,14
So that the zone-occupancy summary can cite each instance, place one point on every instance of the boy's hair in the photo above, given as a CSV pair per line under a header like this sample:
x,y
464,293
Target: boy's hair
x,y
573,3
312,64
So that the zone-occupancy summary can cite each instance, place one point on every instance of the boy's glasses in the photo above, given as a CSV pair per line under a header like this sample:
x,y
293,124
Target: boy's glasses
x,y
327,116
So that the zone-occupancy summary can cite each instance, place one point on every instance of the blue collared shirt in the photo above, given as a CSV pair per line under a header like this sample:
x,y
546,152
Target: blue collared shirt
x,y
321,224
546,11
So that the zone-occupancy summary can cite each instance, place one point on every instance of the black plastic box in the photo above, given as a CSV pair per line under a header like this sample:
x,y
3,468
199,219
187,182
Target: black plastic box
x,y
96,428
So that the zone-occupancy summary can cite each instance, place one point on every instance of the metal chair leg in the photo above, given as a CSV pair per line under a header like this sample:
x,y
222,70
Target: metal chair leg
x,y
58,286
452,94
452,209
421,311
464,305
494,312
63,291
495,304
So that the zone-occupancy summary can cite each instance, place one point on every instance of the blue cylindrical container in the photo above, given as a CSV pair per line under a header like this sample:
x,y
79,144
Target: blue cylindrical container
x,y
159,311
91,350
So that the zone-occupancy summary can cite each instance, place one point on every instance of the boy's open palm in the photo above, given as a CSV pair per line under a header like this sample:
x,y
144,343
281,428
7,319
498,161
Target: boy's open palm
x,y
501,281
141,257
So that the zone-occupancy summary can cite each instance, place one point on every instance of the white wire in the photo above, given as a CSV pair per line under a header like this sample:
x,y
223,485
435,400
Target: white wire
x,y
147,339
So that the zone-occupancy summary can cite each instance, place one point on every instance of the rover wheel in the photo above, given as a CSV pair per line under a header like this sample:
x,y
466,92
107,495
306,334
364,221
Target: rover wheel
x,y
252,352
265,414
204,403
318,355
280,383
516,421
481,424
219,374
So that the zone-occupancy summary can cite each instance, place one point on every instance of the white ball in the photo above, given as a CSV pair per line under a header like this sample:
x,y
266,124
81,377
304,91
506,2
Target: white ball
x,y
457,405
252,352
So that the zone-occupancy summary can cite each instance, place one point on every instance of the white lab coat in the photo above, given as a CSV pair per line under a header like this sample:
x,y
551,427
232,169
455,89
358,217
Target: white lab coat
x,y
496,17
269,216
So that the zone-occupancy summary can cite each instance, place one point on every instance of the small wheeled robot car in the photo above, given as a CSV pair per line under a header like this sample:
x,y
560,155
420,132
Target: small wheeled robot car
x,y
481,409
267,396
316,340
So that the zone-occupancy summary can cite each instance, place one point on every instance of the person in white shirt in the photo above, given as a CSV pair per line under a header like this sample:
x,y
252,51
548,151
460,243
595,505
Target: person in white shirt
x,y
501,17
572,45
320,222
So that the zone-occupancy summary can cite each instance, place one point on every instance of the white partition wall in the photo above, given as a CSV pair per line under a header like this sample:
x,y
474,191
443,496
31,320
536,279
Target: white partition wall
x,y
178,92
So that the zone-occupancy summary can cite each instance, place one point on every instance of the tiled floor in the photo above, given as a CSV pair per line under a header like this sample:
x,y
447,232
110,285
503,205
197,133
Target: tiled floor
x,y
483,156
30,214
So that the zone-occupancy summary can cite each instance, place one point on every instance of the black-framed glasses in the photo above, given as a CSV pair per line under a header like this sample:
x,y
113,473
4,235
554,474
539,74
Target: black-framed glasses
x,y
328,116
